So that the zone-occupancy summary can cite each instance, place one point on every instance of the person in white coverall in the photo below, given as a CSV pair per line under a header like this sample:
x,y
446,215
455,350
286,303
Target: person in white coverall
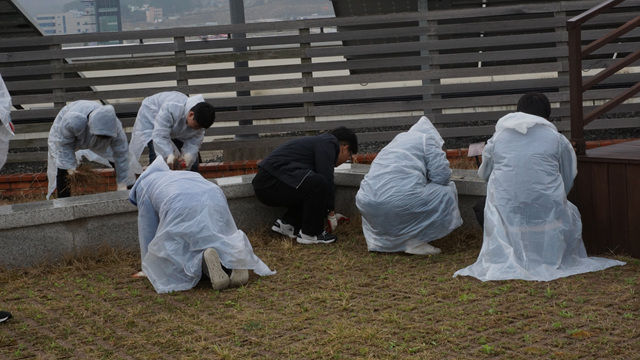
x,y
172,125
6,128
531,230
6,133
85,125
407,198
185,228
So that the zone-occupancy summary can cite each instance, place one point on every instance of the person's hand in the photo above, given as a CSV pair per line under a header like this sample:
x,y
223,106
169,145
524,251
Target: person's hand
x,y
121,186
70,172
342,219
171,159
332,222
187,160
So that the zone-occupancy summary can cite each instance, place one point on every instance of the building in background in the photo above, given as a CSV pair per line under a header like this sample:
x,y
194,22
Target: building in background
x,y
154,14
106,14
71,22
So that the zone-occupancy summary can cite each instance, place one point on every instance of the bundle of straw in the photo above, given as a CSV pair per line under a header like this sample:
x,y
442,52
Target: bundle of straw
x,y
84,176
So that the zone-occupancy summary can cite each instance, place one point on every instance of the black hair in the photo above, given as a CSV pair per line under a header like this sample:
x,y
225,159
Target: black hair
x,y
204,114
535,104
348,136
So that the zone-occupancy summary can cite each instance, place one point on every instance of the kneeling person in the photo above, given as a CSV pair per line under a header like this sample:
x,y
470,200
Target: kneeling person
x,y
185,228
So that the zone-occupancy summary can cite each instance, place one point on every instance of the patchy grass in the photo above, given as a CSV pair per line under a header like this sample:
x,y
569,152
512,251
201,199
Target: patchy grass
x,y
326,301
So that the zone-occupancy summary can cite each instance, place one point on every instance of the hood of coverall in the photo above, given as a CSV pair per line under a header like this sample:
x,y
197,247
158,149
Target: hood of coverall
x,y
426,127
103,121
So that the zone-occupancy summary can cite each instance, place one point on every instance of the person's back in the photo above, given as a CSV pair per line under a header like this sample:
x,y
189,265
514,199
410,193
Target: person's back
x,y
407,198
531,230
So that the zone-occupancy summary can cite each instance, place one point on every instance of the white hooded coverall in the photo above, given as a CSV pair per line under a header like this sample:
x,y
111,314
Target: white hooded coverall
x,y
6,128
80,126
407,197
531,230
180,215
163,117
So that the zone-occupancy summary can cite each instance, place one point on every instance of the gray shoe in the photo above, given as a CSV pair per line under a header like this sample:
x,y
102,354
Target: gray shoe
x,y
284,229
213,269
239,277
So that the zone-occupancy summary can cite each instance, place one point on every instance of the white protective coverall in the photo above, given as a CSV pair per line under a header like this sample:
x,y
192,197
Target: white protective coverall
x,y
6,128
408,198
531,230
163,117
79,126
180,215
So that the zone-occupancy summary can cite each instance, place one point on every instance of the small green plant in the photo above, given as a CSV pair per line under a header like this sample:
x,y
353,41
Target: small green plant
x,y
556,325
549,293
627,316
488,349
566,314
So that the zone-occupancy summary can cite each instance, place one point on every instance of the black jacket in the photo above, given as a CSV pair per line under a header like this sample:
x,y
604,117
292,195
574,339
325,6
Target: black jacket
x,y
296,159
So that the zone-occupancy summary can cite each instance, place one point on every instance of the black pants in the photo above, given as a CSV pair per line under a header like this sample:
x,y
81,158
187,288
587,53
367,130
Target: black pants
x,y
62,184
306,205
178,143
478,209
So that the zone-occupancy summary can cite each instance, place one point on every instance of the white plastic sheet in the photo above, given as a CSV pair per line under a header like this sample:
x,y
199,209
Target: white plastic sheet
x,y
181,214
407,197
6,128
531,230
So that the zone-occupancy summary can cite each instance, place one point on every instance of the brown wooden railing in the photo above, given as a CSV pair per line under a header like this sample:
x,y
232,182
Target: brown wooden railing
x,y
311,75
578,52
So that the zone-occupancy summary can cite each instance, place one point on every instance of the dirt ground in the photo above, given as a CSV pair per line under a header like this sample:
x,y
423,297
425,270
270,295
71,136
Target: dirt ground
x,y
335,301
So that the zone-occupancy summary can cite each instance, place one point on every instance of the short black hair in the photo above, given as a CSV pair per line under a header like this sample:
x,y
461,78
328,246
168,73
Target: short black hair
x,y
204,114
535,104
348,136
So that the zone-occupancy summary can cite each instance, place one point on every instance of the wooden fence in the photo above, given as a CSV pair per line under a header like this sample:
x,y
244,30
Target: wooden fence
x,y
462,68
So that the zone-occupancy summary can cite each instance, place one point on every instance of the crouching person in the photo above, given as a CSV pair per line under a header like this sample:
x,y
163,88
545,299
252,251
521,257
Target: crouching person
x,y
407,198
185,228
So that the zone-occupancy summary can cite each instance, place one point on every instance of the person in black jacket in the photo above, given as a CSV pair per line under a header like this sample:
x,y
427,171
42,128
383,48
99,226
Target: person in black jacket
x,y
298,175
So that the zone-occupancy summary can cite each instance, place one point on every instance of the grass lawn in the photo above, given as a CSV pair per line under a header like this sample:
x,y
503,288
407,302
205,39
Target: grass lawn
x,y
326,301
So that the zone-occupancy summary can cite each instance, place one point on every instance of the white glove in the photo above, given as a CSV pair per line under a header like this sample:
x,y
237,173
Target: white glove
x,y
188,160
70,172
332,223
334,220
170,160
121,186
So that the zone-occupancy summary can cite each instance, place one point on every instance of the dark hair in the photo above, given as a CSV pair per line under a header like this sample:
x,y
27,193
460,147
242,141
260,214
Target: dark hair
x,y
348,136
204,114
535,104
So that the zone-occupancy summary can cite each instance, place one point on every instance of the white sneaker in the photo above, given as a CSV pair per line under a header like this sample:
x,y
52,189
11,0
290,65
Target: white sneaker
x,y
422,248
212,267
239,277
284,229
324,238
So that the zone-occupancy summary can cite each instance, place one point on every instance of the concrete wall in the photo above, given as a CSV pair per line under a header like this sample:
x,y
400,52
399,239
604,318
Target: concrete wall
x,y
46,231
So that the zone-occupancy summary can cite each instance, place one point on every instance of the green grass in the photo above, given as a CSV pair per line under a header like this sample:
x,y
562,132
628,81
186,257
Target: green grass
x,y
333,301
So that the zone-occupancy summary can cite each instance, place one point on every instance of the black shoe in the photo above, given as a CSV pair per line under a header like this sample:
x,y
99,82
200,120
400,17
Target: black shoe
x,y
4,316
324,238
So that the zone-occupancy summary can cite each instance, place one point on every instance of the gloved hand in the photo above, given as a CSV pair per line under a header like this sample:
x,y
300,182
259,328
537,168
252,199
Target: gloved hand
x,y
121,186
188,160
332,222
171,159
70,172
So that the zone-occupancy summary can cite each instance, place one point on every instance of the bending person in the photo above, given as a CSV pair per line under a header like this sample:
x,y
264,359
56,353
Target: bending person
x,y
298,175
407,198
6,126
185,228
85,125
172,125
531,230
